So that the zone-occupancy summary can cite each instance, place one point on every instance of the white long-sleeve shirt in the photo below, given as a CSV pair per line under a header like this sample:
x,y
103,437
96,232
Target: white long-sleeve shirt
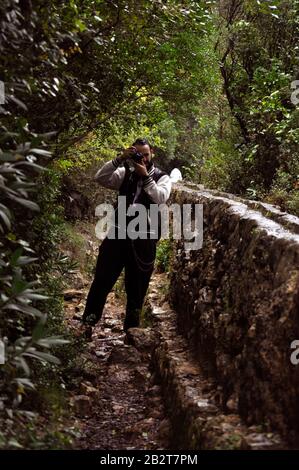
x,y
111,175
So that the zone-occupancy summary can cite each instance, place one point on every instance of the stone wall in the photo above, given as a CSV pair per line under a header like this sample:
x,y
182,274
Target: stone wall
x,y
237,301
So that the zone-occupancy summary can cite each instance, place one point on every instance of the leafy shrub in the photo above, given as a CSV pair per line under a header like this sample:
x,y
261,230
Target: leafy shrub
x,y
163,255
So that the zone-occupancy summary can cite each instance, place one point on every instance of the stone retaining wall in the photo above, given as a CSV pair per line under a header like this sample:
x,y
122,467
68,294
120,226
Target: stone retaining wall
x,y
237,301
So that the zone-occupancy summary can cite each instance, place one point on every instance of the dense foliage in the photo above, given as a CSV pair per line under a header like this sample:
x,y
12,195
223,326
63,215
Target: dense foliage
x,y
259,61
209,82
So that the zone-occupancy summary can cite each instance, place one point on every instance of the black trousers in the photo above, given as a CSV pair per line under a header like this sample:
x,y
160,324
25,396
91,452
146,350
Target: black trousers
x,y
137,258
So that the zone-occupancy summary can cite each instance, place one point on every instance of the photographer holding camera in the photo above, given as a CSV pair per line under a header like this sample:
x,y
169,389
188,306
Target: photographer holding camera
x,y
135,176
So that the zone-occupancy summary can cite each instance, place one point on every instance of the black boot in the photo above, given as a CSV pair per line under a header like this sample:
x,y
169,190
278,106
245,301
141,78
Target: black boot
x,y
89,319
132,319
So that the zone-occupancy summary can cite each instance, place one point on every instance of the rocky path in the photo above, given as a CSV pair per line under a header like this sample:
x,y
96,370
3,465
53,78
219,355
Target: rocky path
x,y
117,403
145,390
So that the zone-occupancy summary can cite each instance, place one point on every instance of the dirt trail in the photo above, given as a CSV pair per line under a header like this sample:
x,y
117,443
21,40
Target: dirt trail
x,y
116,402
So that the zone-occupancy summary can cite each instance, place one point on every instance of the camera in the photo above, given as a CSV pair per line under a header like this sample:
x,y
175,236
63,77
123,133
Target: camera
x,y
137,157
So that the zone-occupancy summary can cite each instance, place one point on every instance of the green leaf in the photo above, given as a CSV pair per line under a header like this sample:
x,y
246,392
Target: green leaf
x,y
43,357
38,331
52,341
27,309
5,219
25,382
22,362
80,25
18,285
25,260
44,153
14,443
25,202
35,296
17,102
15,255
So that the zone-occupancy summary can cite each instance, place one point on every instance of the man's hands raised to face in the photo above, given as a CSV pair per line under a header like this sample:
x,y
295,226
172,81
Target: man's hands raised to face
x,y
140,168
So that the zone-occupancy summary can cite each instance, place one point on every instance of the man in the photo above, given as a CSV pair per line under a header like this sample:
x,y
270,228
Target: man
x,y
140,183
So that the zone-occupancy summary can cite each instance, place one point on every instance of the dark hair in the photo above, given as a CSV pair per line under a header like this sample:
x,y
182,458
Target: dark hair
x,y
140,141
